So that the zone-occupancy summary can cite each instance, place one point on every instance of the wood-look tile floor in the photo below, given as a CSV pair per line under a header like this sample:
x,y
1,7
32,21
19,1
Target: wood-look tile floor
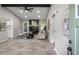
x,y
27,47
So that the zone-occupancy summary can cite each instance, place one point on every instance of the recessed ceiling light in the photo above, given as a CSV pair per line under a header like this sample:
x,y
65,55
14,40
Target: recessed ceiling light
x,y
38,11
25,16
39,16
26,11
21,11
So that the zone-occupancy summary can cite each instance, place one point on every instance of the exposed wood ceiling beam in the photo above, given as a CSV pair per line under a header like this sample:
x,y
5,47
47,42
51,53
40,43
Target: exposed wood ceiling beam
x,y
25,5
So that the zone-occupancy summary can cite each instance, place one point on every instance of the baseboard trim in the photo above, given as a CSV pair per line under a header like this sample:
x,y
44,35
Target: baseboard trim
x,y
3,40
10,37
56,51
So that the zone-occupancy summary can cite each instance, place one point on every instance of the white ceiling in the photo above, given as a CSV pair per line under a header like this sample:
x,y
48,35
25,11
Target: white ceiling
x,y
30,15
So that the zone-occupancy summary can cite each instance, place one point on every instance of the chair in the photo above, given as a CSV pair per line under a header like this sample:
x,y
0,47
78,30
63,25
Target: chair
x,y
41,35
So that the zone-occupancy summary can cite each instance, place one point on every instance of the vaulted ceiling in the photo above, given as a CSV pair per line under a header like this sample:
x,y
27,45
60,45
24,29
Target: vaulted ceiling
x,y
38,12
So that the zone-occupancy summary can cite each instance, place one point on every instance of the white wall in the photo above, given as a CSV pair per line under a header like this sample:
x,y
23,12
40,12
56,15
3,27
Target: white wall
x,y
17,26
42,23
61,41
4,13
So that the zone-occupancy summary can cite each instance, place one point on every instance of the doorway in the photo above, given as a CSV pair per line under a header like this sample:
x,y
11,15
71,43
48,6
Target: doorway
x,y
9,27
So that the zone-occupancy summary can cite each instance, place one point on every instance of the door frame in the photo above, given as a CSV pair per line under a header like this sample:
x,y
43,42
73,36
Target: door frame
x,y
27,26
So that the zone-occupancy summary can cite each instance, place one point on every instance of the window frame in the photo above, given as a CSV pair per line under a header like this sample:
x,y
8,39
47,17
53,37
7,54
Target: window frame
x,y
76,11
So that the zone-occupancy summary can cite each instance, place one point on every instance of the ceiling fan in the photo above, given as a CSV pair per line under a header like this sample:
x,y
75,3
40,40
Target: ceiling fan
x,y
29,9
26,9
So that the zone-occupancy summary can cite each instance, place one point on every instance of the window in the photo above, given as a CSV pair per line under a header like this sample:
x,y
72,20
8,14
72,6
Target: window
x,y
77,11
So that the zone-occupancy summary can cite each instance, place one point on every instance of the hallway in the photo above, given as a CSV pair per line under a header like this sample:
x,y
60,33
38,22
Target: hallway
x,y
27,47
34,22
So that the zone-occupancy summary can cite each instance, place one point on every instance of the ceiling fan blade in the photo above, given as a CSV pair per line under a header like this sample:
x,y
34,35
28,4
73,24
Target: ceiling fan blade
x,y
30,8
25,8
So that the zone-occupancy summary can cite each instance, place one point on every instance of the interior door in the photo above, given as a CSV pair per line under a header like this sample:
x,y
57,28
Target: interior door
x,y
77,40
9,27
